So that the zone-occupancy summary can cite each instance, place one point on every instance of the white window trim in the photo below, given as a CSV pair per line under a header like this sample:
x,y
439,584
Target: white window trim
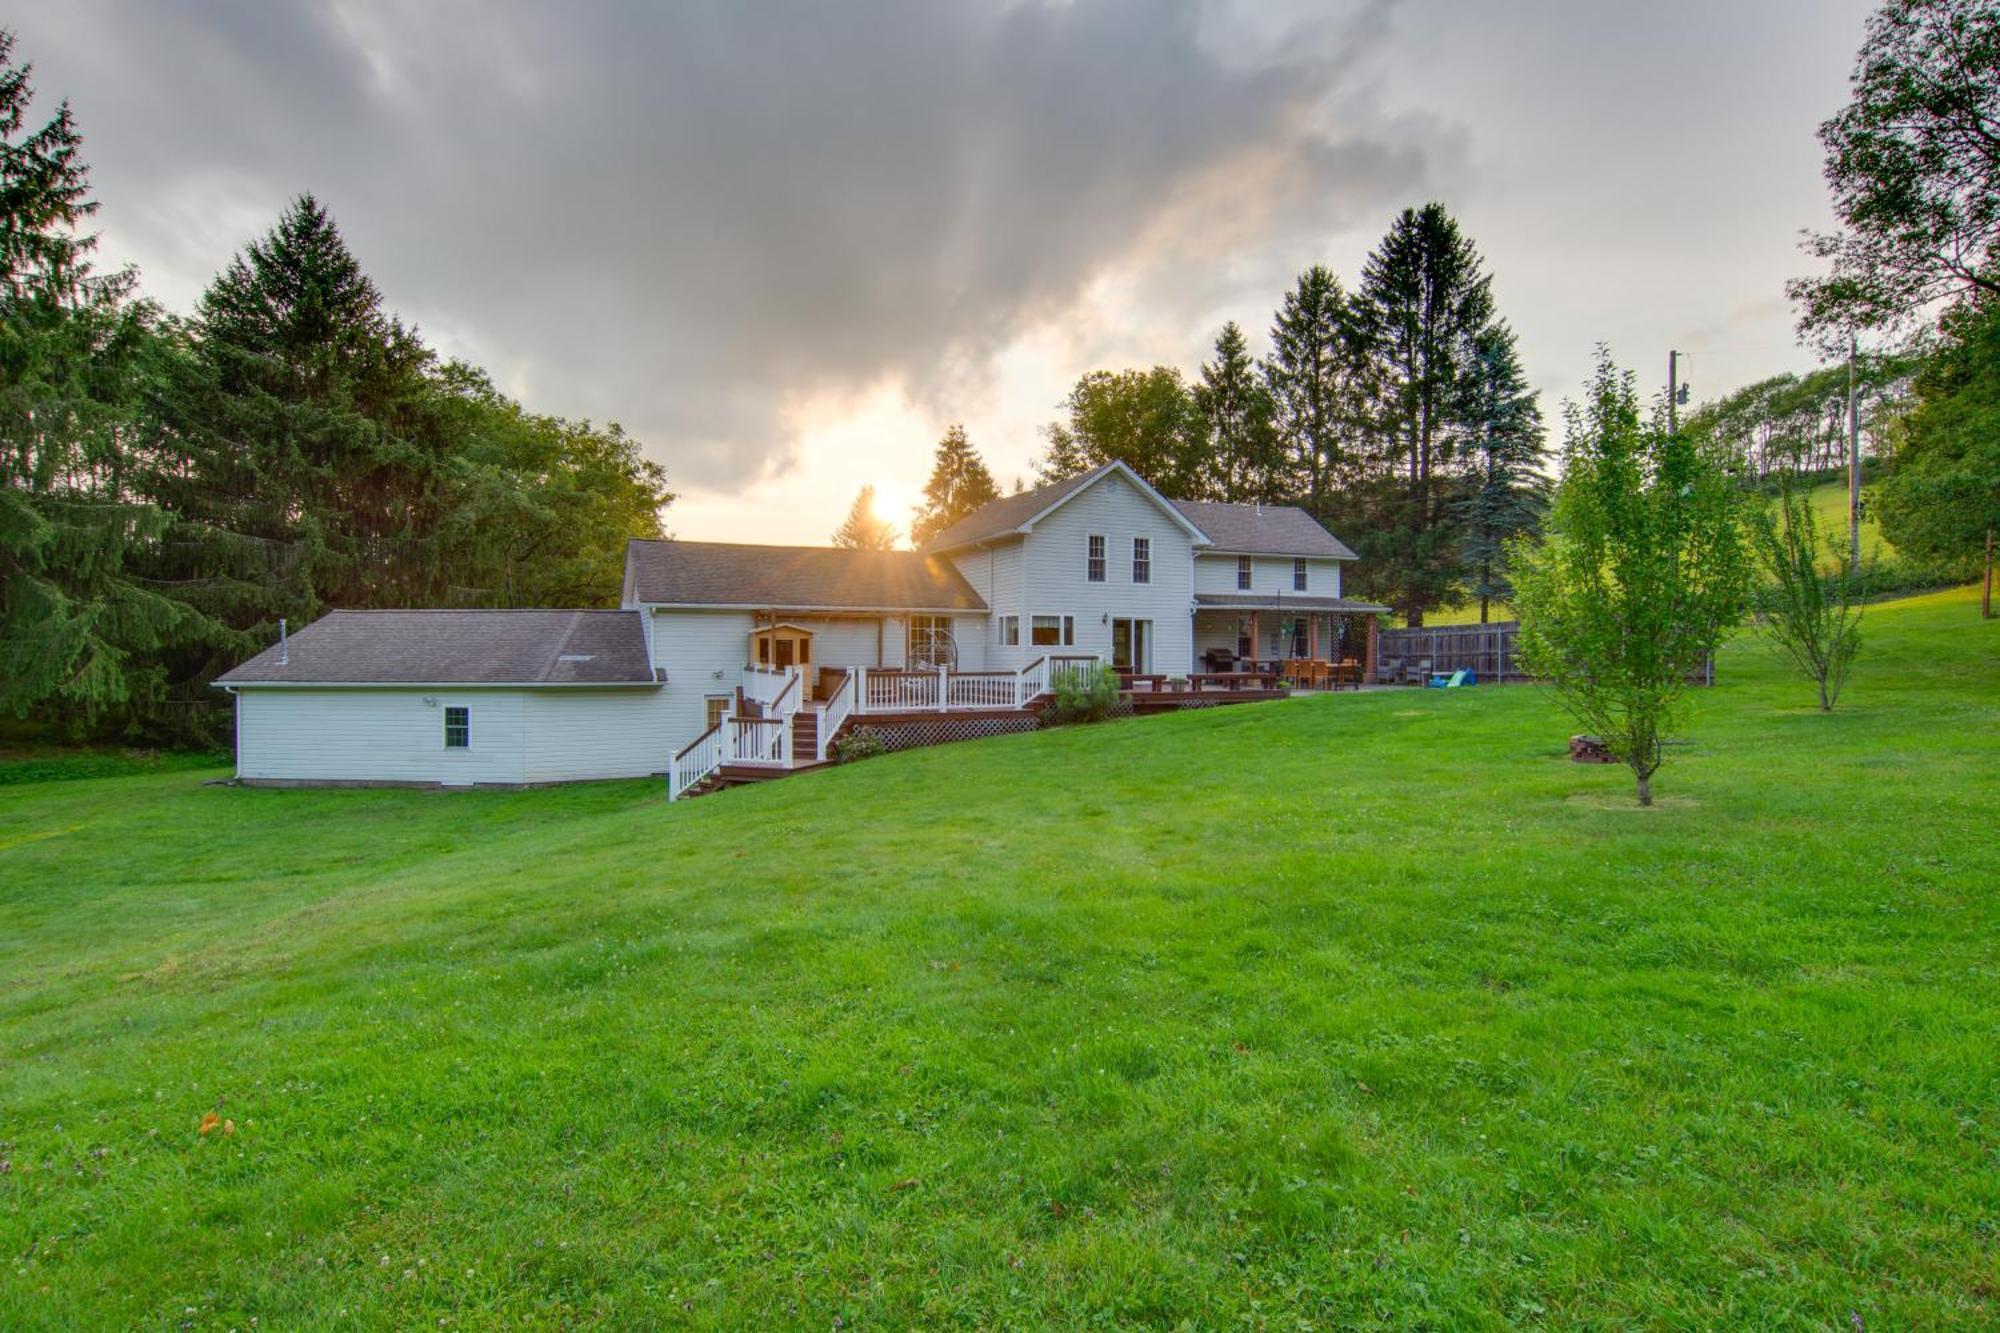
x,y
1146,560
1065,629
1246,570
1096,558
448,711
1301,575
1010,631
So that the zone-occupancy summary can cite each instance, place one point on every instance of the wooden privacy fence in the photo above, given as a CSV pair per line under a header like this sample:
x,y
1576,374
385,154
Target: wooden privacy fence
x,y
1488,651
1485,650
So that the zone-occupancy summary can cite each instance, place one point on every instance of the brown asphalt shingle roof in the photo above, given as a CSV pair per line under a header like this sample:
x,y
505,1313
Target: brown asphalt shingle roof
x,y
676,573
1248,529
458,648
1010,511
1238,529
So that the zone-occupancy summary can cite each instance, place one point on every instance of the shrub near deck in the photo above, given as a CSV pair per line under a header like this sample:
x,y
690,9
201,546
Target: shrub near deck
x,y
1342,1010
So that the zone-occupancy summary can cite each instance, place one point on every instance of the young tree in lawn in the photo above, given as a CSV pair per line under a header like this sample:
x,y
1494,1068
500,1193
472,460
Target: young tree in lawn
x,y
960,483
1639,572
1508,494
1809,603
79,629
1941,498
1319,380
863,529
1427,301
1913,163
1246,460
1147,418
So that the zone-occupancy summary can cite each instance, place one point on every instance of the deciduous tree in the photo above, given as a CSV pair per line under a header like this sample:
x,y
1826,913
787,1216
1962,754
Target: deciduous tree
x,y
1145,417
1808,602
1913,162
1640,571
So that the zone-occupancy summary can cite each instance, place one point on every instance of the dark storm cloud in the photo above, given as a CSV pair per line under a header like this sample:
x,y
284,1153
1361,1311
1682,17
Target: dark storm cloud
x,y
684,216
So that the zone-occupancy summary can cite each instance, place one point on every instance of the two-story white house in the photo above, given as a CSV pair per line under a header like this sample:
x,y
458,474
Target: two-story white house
x,y
726,656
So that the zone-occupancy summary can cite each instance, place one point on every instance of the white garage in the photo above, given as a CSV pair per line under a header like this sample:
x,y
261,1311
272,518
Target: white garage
x,y
453,699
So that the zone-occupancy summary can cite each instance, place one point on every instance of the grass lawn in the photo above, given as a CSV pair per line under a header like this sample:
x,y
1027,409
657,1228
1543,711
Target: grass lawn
x,y
1355,1010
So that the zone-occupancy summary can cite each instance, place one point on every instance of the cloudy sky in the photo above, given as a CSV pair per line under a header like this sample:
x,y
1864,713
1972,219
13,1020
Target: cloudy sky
x,y
785,244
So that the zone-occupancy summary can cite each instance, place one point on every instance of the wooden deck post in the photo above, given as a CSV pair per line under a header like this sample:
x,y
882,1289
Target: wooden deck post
x,y
1368,655
1256,637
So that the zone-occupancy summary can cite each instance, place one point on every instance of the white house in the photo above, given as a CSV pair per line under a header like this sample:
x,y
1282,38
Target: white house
x,y
742,657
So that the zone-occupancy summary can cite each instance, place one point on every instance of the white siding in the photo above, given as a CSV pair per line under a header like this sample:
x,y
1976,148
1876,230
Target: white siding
x,y
571,735
703,653
1269,574
1054,580
377,735
995,574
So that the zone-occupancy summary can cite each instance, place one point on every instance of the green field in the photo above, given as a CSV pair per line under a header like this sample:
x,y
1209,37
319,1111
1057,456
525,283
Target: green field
x,y
1829,504
1351,1010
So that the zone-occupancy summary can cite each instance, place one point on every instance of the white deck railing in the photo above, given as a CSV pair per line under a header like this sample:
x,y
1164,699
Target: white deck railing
x,y
766,741
833,715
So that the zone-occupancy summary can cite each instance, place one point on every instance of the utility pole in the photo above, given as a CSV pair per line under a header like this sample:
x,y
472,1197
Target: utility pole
x,y
1673,391
1853,466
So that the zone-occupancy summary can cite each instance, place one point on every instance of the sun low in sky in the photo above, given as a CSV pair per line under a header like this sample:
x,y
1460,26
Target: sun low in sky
x,y
786,250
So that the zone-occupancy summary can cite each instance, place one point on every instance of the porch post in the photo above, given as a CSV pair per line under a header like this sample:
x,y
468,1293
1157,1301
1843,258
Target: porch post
x,y
1368,665
1256,637
1312,637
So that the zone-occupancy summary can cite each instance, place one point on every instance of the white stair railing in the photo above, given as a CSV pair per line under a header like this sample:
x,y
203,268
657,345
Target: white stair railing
x,y
835,713
700,758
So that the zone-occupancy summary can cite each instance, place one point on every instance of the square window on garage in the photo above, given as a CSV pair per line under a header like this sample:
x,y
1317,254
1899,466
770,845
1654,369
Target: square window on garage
x,y
457,728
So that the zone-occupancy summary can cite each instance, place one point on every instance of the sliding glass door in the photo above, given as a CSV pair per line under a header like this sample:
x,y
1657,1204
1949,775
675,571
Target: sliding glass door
x,y
1132,645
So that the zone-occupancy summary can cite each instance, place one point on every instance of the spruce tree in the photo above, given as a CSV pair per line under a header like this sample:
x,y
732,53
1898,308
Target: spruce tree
x,y
863,529
1245,459
960,483
1427,301
1319,379
77,628
302,439
1509,493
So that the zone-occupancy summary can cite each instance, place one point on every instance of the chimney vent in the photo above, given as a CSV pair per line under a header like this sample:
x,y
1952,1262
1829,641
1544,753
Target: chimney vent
x,y
284,644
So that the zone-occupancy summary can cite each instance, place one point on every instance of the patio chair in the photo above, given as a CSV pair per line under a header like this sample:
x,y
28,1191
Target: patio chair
x,y
1455,680
1388,671
1418,674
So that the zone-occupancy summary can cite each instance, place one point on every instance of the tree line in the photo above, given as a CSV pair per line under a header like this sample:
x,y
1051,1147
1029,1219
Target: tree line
x,y
170,488
1396,413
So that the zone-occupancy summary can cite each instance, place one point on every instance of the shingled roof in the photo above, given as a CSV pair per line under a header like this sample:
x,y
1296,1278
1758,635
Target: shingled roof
x,y
1249,529
1233,529
1009,512
457,648
677,573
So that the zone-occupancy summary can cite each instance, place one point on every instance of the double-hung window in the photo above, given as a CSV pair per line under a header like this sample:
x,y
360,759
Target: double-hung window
x,y
1243,573
1052,631
1010,631
1142,560
458,728
1298,576
1093,565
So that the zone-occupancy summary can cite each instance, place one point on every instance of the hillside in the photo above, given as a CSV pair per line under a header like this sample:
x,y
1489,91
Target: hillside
x,y
1355,1009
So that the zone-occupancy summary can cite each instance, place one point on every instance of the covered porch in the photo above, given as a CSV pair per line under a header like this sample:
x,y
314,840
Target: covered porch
x,y
1319,642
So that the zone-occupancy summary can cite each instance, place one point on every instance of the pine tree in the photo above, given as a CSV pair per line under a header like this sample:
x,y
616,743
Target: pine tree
x,y
77,628
1509,493
863,529
1245,459
960,483
1427,300
303,439
1318,377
